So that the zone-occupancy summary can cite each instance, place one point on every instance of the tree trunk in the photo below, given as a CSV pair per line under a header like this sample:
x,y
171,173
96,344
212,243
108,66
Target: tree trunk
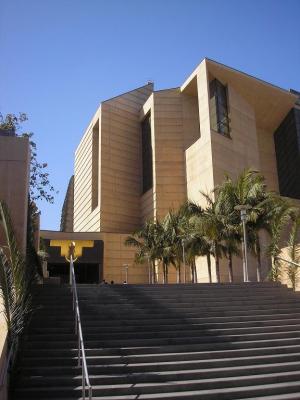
x,y
195,273
164,273
192,266
149,272
218,269
154,280
209,267
258,265
230,269
179,272
167,274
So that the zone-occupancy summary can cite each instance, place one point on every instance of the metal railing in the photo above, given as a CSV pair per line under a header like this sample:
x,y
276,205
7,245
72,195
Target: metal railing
x,y
78,331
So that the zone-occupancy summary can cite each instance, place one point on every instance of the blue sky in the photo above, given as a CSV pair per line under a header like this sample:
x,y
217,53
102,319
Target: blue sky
x,y
61,58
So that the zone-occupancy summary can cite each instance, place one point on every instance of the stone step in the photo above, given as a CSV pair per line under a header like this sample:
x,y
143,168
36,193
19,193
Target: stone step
x,y
163,387
138,329
162,338
184,343
197,341
111,356
186,330
147,370
178,359
165,313
122,323
230,389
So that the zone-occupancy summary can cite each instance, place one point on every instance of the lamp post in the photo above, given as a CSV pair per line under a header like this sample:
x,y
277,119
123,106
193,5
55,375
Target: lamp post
x,y
183,257
71,257
243,210
126,272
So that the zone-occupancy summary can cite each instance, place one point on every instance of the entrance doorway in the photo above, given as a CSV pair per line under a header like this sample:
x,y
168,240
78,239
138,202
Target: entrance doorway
x,y
84,272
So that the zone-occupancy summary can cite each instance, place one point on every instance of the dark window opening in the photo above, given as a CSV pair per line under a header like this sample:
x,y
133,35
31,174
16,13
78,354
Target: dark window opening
x,y
287,148
95,166
147,154
219,107
84,273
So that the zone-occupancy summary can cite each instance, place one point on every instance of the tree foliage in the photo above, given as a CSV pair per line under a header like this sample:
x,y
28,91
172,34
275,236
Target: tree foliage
x,y
16,279
216,230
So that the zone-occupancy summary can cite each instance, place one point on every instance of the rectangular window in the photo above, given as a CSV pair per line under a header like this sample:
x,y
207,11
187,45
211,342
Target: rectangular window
x,y
147,154
95,166
287,148
218,107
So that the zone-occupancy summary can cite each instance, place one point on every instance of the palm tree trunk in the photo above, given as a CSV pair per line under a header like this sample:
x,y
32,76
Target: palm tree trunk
x,y
154,280
149,272
179,272
167,274
192,271
258,265
195,272
218,269
230,269
209,268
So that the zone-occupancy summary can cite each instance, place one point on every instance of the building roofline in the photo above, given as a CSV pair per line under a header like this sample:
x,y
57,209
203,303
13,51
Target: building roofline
x,y
128,91
88,126
245,74
287,91
164,90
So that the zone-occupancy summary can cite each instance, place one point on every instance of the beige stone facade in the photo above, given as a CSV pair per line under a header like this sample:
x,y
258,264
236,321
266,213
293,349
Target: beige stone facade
x,y
14,185
188,155
14,182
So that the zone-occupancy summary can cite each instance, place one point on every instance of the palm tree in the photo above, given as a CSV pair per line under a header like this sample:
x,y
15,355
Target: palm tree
x,y
231,241
249,190
281,211
210,222
175,224
197,243
147,242
294,249
16,279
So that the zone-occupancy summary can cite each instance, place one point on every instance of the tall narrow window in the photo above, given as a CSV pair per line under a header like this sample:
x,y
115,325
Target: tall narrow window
x,y
218,107
147,154
95,166
287,148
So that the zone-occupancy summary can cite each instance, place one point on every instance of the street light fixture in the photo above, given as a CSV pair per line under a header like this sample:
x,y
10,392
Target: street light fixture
x,y
243,210
126,272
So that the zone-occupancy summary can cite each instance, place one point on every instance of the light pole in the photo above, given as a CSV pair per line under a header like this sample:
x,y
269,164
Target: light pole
x,y
71,257
183,257
243,210
126,272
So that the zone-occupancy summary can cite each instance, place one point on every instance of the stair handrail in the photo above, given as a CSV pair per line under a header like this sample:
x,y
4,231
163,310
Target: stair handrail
x,y
288,261
78,330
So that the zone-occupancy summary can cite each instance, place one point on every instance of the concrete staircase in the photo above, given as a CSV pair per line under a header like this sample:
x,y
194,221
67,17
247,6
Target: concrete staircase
x,y
202,342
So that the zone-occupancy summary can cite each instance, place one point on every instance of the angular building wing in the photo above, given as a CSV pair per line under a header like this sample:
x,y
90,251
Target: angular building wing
x,y
145,152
